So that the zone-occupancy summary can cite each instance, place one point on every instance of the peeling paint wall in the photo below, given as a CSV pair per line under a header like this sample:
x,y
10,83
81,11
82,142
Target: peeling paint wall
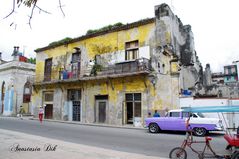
x,y
160,42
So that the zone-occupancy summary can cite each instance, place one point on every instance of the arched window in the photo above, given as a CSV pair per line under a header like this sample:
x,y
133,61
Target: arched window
x,y
27,92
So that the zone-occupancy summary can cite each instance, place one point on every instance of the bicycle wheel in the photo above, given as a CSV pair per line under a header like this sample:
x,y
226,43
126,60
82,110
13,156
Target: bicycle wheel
x,y
178,153
235,155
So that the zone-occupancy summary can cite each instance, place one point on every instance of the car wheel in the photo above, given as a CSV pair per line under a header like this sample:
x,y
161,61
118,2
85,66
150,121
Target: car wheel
x,y
199,131
153,128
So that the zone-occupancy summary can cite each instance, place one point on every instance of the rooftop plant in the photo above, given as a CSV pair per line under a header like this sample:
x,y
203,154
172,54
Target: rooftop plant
x,y
108,27
60,42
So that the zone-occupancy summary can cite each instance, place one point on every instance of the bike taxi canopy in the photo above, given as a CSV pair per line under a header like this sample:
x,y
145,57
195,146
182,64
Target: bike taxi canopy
x,y
211,109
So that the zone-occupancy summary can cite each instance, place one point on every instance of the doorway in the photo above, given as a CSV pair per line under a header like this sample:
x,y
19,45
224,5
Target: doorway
x,y
129,106
101,109
49,111
133,107
76,111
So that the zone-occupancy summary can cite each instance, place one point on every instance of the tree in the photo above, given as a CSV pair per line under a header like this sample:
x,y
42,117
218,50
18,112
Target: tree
x,y
30,4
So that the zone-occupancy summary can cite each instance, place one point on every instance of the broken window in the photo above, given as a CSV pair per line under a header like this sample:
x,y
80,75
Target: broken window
x,y
132,50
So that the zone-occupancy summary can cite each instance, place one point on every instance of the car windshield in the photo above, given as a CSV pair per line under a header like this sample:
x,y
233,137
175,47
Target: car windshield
x,y
201,115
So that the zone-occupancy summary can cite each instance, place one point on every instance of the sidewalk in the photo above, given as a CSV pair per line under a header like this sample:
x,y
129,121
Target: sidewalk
x,y
15,145
76,122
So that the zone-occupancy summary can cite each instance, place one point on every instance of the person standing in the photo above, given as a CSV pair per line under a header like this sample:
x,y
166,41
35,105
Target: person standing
x,y
40,113
156,114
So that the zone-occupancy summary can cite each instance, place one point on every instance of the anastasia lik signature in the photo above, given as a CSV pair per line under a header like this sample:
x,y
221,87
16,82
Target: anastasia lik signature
x,y
19,148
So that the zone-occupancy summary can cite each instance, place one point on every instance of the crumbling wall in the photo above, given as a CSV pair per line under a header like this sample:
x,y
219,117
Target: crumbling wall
x,y
176,40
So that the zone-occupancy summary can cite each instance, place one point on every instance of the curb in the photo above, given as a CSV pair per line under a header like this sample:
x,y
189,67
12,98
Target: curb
x,y
90,124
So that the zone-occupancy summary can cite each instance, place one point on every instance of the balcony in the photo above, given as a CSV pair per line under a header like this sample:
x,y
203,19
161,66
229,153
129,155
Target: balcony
x,y
122,69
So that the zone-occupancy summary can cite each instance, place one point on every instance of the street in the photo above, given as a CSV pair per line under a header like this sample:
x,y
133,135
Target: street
x,y
120,139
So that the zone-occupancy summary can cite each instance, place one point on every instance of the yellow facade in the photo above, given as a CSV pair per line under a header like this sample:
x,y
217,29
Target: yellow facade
x,y
106,43
114,88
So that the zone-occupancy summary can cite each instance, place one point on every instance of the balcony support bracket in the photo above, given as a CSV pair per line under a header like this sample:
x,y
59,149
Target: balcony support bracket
x,y
145,84
111,84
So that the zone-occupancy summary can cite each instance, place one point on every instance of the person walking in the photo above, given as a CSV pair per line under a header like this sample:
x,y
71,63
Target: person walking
x,y
40,113
156,114
21,112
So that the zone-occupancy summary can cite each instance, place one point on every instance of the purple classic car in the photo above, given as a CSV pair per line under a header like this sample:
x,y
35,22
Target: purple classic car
x,y
176,120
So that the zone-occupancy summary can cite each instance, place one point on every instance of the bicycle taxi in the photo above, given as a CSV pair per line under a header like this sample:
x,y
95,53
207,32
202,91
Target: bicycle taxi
x,y
232,139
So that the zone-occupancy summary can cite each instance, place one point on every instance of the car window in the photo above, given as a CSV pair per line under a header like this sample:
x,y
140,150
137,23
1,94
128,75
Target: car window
x,y
195,116
201,115
174,114
185,114
166,115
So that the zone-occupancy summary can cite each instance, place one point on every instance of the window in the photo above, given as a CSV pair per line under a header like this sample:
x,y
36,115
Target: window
x,y
193,115
26,98
27,92
74,95
158,67
174,114
48,96
185,114
76,64
201,115
132,50
47,69
229,70
75,57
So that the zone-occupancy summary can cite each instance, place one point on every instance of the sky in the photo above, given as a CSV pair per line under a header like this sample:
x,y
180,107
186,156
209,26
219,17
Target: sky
x,y
214,24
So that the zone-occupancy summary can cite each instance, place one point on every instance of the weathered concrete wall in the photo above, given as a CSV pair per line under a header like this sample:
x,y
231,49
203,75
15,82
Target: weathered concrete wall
x,y
177,39
207,81
15,75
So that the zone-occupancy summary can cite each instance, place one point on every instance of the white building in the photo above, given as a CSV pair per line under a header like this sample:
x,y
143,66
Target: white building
x,y
231,118
15,85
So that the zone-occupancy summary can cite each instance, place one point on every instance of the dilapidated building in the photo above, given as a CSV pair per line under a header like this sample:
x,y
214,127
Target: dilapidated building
x,y
118,74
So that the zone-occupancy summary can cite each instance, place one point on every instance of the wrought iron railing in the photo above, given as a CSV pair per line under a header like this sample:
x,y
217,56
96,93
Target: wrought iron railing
x,y
141,65
135,66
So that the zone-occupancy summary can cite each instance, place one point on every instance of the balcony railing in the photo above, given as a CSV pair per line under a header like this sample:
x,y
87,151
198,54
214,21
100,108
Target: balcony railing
x,y
126,68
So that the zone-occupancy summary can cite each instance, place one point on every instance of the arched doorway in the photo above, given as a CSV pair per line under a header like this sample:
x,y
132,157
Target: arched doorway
x,y
2,96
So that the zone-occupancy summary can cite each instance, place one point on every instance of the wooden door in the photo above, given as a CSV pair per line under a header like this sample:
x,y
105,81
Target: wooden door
x,y
49,111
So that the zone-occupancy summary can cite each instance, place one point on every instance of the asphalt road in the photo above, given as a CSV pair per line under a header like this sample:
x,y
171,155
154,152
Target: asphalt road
x,y
127,140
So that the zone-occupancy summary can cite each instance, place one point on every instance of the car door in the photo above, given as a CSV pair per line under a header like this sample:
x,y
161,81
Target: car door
x,y
175,121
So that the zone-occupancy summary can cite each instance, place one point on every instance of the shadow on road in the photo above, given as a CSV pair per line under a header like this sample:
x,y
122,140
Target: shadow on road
x,y
182,133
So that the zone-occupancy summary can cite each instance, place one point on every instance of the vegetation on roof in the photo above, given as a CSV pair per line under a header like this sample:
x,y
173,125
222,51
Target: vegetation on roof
x,y
108,27
60,42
